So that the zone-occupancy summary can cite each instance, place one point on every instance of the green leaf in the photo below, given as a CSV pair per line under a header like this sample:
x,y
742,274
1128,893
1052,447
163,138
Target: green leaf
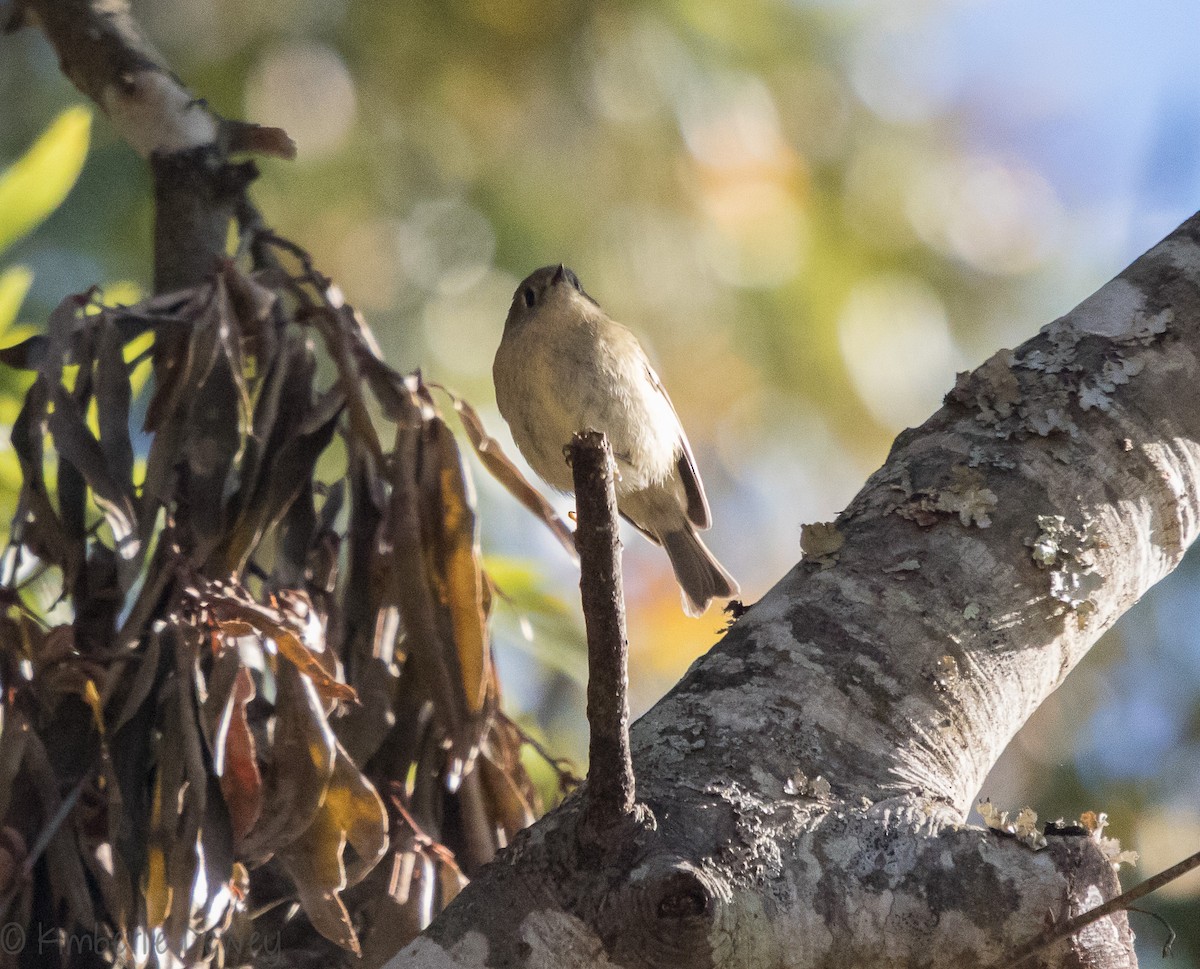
x,y
534,621
36,184
14,285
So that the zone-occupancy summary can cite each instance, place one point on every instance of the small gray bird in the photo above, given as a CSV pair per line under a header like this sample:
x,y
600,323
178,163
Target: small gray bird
x,y
563,366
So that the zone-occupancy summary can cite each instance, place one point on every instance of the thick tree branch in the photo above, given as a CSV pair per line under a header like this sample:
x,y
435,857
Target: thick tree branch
x,y
811,774
103,51
610,791
196,196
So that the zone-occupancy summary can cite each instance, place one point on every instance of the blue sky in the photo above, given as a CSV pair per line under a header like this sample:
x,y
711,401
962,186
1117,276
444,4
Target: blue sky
x,y
1102,97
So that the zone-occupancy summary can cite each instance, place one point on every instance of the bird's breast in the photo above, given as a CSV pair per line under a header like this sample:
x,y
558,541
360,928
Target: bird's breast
x,y
551,385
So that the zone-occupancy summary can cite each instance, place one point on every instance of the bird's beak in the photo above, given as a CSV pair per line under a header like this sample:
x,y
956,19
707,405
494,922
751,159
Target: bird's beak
x,y
559,275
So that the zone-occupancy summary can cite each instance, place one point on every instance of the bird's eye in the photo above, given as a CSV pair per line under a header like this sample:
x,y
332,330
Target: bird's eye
x,y
529,295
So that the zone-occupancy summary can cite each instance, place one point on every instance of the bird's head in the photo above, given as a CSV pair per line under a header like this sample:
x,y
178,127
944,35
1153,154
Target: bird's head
x,y
552,288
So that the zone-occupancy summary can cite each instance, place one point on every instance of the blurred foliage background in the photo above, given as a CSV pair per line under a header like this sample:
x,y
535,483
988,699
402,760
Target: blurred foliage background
x,y
813,212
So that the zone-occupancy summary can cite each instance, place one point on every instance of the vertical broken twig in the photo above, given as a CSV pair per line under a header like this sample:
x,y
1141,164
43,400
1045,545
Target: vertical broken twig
x,y
610,779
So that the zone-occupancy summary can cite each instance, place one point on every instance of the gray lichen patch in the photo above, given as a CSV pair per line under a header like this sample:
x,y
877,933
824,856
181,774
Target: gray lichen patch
x,y
1075,366
1067,552
966,496
820,543
1010,403
1024,827
1096,393
979,456
992,388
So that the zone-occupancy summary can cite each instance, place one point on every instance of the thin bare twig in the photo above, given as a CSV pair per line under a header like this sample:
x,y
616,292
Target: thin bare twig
x,y
611,786
1056,933
65,807
563,768
1172,935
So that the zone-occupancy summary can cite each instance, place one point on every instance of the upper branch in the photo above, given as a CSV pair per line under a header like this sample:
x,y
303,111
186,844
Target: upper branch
x,y
102,51
198,190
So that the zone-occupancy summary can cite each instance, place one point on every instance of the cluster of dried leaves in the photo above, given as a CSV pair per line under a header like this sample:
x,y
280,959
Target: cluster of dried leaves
x,y
273,707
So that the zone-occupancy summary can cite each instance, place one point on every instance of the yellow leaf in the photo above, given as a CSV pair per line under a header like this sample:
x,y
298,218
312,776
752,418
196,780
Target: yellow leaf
x,y
156,888
10,471
120,292
139,377
14,285
36,183
350,813
91,697
138,345
461,569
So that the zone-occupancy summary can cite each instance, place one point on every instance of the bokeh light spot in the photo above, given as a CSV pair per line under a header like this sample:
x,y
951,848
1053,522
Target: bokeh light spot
x,y
896,343
457,326
995,215
307,90
446,246
905,69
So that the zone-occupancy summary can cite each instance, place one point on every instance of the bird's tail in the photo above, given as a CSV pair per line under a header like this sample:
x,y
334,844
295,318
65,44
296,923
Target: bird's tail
x,y
700,575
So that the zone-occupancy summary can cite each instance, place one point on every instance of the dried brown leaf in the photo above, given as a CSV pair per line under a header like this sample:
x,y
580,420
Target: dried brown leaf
x,y
143,679
401,397
103,814
13,739
29,354
450,881
507,473
289,471
459,569
210,450
214,689
181,366
156,887
273,625
339,343
188,809
514,800
241,782
113,397
244,136
413,512
13,853
36,523
68,881
284,397
300,764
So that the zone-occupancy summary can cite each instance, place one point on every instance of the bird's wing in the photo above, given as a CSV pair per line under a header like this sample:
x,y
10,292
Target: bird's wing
x,y
649,535
697,504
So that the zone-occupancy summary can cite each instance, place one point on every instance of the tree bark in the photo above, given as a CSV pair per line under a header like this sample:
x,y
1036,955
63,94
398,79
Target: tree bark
x,y
812,774
197,189
611,788
810,777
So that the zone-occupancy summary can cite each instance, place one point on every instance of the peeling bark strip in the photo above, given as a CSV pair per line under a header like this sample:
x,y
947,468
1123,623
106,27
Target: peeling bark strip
x,y
610,791
811,774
